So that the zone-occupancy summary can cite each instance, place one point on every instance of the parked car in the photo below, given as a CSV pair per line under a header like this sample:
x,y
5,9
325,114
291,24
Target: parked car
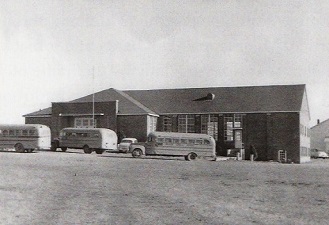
x,y
125,144
316,153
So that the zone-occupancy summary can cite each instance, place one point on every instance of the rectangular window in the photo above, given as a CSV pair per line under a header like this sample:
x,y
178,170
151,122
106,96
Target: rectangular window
x,y
186,123
168,141
6,133
228,128
167,124
237,121
209,125
85,123
11,133
184,141
151,123
176,141
18,132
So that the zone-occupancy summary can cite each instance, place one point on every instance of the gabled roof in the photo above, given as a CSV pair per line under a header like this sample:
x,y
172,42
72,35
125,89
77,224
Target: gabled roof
x,y
324,123
248,99
127,105
278,98
41,113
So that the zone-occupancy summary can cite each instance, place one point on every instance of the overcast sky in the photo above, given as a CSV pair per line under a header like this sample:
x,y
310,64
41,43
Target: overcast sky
x,y
48,49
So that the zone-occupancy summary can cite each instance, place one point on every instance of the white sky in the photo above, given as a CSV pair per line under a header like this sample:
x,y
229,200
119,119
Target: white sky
x,y
48,48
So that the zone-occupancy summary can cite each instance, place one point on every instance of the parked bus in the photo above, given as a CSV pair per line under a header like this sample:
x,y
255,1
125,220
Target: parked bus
x,y
188,145
88,139
24,137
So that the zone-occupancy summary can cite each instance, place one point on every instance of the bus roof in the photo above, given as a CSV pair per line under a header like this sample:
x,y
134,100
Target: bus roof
x,y
22,126
87,129
181,135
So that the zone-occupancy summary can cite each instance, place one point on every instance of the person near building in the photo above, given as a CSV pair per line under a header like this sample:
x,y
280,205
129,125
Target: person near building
x,y
253,152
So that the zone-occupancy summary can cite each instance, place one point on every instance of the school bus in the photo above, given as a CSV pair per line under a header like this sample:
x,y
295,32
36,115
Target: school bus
x,y
24,137
88,139
188,145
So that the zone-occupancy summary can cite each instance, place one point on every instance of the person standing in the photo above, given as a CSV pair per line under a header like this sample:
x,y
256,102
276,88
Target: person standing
x,y
253,152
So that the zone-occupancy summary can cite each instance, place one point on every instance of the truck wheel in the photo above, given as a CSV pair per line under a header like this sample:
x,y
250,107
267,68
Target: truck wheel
x,y
191,156
64,149
137,153
86,149
99,151
53,146
19,148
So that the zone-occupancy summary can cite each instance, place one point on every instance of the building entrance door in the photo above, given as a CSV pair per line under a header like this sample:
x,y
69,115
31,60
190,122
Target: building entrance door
x,y
238,139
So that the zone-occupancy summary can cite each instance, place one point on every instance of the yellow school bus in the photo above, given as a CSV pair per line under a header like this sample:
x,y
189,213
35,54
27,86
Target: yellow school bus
x,y
188,145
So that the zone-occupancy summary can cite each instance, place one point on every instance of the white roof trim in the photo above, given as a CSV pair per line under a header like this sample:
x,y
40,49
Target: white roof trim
x,y
82,114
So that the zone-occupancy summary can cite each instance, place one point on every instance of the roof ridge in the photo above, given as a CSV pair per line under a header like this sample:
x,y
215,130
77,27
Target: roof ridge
x,y
242,86
318,124
134,101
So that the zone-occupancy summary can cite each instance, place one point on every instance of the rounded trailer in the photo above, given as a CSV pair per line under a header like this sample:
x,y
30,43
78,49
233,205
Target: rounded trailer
x,y
88,139
187,145
25,137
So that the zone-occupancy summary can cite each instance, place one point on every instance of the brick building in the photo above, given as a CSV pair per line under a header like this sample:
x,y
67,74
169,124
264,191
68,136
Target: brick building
x,y
271,118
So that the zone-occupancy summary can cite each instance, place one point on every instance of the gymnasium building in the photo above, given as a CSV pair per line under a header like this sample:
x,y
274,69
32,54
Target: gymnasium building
x,y
274,119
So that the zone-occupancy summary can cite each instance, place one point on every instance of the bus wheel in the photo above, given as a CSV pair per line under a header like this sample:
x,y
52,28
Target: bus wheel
x,y
191,156
19,148
63,149
99,151
86,149
137,153
29,150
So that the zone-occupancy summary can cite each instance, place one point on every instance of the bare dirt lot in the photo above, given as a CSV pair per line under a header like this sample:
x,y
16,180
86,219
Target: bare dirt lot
x,y
76,188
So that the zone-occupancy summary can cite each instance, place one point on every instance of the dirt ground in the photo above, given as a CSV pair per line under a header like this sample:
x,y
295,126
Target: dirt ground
x,y
76,188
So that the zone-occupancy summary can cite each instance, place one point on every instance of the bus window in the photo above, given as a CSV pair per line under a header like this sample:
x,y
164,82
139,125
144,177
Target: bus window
x,y
96,135
190,141
32,132
11,133
198,142
25,132
183,141
206,142
168,141
18,132
160,141
5,133
81,135
176,141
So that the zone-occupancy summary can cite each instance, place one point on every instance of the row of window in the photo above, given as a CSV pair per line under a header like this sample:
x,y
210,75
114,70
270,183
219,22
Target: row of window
x,y
231,123
85,123
182,142
81,135
304,130
209,125
15,133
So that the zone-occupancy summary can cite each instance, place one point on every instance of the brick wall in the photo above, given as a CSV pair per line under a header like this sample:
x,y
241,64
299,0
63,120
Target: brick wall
x,y
272,132
133,126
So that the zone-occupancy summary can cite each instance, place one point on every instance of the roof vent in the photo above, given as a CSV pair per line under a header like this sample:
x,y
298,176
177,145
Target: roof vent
x,y
208,97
